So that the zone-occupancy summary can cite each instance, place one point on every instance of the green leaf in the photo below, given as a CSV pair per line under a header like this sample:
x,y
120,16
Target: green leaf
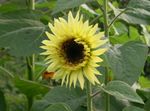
x,y
145,93
144,82
30,88
132,35
40,105
24,36
146,35
127,61
74,97
147,105
138,12
62,5
2,102
122,90
12,5
46,4
133,108
115,104
58,107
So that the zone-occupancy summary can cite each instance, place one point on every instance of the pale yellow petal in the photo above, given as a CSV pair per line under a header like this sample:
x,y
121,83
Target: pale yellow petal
x,y
96,59
81,79
99,51
73,78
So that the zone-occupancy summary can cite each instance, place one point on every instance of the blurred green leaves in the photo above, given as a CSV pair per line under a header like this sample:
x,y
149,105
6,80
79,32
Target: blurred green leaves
x,y
61,5
138,12
21,32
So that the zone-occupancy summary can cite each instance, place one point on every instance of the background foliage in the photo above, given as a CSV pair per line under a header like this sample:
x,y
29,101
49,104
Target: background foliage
x,y
128,61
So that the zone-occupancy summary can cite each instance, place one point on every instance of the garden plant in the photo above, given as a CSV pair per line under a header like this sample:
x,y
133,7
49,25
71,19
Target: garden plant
x,y
74,55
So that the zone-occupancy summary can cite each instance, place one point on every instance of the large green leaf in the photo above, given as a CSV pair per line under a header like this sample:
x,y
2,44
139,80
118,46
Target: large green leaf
x,y
58,107
2,102
133,108
115,104
21,32
67,4
122,90
127,61
72,97
40,105
30,88
138,12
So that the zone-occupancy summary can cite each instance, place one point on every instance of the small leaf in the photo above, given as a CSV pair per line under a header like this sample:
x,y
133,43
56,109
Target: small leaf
x,y
58,107
30,88
122,90
133,108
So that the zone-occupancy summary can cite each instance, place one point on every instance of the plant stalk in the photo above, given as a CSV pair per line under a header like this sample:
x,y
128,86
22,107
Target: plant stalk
x,y
30,62
106,18
89,98
31,4
106,27
30,69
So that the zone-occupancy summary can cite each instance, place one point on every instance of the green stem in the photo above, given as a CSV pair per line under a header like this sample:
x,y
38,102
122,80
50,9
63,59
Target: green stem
x,y
31,4
106,18
117,17
30,69
30,60
89,98
107,96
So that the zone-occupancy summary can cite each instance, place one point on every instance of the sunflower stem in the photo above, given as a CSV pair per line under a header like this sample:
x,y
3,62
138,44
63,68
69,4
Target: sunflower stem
x,y
89,98
106,18
30,69
106,27
30,62
31,4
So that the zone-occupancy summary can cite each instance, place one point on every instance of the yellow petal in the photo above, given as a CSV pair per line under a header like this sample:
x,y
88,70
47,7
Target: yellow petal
x,y
99,51
81,79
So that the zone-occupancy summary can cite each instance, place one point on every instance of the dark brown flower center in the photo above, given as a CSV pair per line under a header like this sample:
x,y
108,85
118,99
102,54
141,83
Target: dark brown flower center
x,y
73,51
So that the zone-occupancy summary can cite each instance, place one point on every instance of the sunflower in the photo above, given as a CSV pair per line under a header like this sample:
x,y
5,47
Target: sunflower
x,y
72,50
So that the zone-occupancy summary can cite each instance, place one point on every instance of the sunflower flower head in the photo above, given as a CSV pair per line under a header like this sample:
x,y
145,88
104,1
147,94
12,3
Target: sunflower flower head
x,y
72,50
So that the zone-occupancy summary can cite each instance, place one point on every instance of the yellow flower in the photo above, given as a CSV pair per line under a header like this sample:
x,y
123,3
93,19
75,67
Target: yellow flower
x,y
73,50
